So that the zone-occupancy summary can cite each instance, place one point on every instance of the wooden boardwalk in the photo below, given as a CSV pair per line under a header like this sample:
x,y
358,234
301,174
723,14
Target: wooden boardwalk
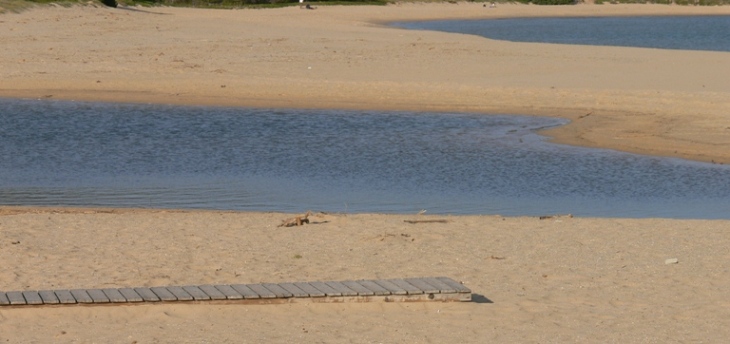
x,y
388,290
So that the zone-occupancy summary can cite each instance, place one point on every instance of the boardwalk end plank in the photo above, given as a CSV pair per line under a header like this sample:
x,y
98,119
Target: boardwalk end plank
x,y
460,288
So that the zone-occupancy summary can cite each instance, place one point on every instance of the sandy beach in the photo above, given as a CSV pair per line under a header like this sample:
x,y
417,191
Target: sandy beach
x,y
556,280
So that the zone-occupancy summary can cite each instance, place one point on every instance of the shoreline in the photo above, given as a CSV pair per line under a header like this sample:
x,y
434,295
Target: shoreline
x,y
342,57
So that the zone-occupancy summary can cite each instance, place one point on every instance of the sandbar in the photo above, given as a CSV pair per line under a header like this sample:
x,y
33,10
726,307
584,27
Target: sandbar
x,y
647,101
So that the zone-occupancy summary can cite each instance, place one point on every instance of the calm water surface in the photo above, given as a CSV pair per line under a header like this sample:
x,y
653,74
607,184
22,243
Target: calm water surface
x,y
665,32
123,155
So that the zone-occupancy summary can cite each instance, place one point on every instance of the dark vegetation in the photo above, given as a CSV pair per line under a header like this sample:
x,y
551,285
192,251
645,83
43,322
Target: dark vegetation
x,y
283,3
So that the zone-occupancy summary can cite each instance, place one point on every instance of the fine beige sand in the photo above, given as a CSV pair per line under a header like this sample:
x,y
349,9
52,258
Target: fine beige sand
x,y
650,101
556,280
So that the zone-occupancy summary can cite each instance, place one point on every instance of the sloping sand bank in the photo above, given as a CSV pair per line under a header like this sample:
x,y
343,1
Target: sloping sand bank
x,y
660,102
555,280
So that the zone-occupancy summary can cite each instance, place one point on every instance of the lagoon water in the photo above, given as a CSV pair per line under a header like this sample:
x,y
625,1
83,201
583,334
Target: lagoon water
x,y
125,155
663,32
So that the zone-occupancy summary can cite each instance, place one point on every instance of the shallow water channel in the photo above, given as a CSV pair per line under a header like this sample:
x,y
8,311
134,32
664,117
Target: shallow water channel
x,y
125,155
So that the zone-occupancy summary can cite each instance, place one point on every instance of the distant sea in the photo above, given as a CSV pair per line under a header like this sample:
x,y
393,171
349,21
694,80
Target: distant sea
x,y
662,32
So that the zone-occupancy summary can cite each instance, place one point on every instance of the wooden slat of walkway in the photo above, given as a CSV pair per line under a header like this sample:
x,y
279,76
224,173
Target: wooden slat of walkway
x,y
409,289
81,296
163,294
15,297
357,287
32,298
294,290
180,293
65,297
114,295
196,293
443,287
230,293
309,289
147,295
212,292
391,287
245,291
423,285
261,291
374,287
341,288
49,297
131,295
277,290
327,290
97,296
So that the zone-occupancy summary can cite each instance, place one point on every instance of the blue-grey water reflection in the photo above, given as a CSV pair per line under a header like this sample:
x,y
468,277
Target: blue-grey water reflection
x,y
664,32
125,155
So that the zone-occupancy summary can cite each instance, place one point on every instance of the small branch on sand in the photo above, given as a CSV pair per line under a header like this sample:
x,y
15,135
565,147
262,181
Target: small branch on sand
x,y
426,221
546,217
296,221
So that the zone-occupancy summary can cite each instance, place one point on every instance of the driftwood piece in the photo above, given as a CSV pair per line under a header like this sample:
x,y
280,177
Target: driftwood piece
x,y
296,221
547,217
426,221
